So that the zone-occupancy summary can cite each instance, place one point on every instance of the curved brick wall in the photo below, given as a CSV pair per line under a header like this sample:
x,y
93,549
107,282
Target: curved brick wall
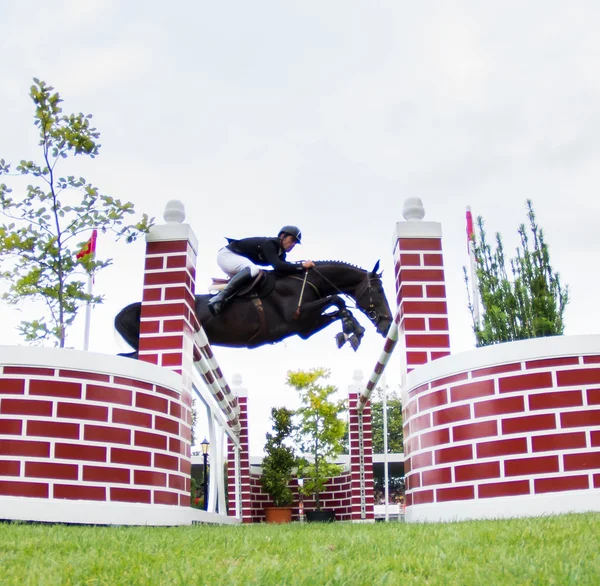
x,y
506,430
83,436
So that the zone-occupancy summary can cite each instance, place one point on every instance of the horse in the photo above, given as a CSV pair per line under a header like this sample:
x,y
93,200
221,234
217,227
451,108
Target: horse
x,y
283,305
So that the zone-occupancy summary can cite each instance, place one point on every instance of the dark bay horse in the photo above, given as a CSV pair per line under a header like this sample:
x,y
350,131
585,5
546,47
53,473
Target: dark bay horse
x,y
281,306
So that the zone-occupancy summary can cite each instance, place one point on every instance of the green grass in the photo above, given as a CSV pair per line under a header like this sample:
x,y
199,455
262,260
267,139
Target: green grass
x,y
552,550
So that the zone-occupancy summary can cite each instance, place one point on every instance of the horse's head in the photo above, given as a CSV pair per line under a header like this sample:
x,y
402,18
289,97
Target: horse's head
x,y
371,300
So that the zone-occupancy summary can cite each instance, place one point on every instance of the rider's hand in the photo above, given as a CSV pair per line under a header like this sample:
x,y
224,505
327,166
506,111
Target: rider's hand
x,y
308,264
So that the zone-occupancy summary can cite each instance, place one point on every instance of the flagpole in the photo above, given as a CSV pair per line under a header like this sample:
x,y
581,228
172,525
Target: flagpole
x,y
473,262
88,315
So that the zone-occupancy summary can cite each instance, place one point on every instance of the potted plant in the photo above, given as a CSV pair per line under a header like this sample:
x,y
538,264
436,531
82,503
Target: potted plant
x,y
320,434
277,466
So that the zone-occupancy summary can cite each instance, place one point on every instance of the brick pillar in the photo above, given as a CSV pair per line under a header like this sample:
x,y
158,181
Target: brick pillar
x,y
244,462
420,287
358,483
168,318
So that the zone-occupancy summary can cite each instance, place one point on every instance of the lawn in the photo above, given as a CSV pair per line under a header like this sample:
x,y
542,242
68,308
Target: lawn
x,y
552,550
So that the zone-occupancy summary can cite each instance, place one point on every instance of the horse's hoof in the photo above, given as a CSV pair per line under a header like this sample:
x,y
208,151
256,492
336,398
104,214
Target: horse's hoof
x,y
340,339
354,342
133,355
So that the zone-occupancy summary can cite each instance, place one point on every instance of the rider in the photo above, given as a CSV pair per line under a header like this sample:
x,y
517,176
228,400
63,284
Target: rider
x,y
241,259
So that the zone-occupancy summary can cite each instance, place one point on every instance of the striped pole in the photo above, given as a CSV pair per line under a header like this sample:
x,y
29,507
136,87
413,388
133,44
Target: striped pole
x,y
388,349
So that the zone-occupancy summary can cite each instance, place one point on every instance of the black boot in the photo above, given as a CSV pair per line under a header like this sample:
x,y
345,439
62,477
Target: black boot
x,y
217,303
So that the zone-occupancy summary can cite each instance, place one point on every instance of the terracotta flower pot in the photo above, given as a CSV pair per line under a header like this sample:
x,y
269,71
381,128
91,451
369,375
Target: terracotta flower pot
x,y
278,514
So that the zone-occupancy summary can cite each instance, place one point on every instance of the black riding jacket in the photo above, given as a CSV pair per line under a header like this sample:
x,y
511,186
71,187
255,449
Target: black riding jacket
x,y
264,251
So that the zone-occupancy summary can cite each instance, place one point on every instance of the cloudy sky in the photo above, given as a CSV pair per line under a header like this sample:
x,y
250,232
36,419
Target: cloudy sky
x,y
327,115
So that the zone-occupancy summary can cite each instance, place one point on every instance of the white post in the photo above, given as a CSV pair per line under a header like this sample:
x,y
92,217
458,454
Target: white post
x,y
88,315
385,452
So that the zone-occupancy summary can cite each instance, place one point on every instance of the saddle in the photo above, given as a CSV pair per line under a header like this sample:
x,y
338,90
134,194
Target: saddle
x,y
260,286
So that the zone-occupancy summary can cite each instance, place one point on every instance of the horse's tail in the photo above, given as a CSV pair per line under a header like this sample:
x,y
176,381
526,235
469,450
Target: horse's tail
x,y
127,324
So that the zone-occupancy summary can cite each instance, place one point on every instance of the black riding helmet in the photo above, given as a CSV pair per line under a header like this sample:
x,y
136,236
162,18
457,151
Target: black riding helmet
x,y
292,231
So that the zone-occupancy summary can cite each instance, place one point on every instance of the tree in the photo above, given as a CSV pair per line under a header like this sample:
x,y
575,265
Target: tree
x,y
532,304
394,422
279,461
320,430
39,243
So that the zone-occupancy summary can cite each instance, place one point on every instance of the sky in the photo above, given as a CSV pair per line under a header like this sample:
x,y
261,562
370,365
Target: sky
x,y
327,115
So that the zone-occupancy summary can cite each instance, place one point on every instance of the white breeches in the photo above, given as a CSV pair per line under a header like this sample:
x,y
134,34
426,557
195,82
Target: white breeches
x,y
232,263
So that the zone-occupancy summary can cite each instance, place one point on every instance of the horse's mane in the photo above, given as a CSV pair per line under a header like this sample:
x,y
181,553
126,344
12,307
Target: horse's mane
x,y
341,263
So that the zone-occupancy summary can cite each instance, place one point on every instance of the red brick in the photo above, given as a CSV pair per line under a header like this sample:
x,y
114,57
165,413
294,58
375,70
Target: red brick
x,y
166,462
595,437
154,403
433,260
172,359
162,497
79,493
10,468
184,500
26,489
106,474
437,355
593,396
527,466
176,262
127,417
451,414
14,447
55,388
138,384
505,488
130,495
29,370
474,430
167,425
422,497
596,480
472,390
591,359
151,294
154,263
499,406
410,260
175,410
426,340
420,461
420,423
502,448
416,358
584,461
437,476
438,324
560,483
108,395
435,438
173,325
414,324
82,411
558,441
448,380
53,429
555,400
98,433
79,452
176,482
51,470
435,291
134,457
590,418
185,466
578,377
459,493
552,362
10,427
420,243
168,392
26,407
166,247
420,276
453,454
84,375
413,481
149,477
12,386
432,400
492,370
528,423
525,382
477,471
150,440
